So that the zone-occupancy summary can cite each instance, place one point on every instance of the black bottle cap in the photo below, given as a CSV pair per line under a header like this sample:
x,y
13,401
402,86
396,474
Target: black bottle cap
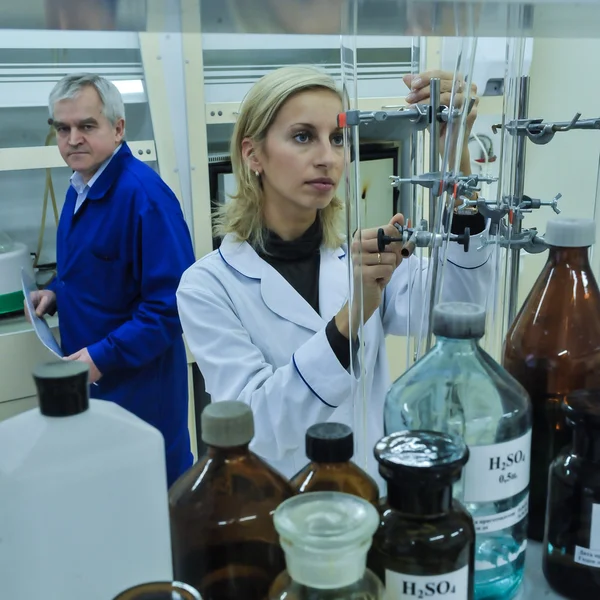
x,y
62,388
582,406
160,591
329,443
422,456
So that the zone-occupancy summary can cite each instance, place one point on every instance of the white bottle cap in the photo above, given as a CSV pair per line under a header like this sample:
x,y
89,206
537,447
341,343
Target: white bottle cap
x,y
326,537
459,320
227,424
570,233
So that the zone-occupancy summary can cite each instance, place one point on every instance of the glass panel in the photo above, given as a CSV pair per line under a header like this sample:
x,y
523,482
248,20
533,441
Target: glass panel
x,y
540,18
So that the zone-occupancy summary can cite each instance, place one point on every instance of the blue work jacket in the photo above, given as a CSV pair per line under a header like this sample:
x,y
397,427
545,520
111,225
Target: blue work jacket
x,y
119,262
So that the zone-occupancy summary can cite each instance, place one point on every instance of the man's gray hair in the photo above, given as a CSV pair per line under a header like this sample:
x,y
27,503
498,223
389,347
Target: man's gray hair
x,y
68,87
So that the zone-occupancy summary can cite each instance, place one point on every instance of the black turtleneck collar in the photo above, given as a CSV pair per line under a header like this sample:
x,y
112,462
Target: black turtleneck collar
x,y
306,246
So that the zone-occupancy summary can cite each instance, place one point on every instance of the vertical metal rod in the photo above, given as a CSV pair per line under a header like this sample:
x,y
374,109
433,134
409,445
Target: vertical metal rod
x,y
434,146
406,189
434,166
519,179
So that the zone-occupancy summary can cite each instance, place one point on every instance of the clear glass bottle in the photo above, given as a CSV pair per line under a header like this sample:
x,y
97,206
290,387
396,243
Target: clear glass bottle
x,y
424,546
553,348
160,590
329,447
459,389
572,538
223,538
326,537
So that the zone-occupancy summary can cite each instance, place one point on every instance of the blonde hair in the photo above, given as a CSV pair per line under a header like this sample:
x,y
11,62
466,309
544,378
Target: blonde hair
x,y
243,214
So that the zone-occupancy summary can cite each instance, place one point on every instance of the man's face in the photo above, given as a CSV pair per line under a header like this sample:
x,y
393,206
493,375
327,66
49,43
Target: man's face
x,y
86,138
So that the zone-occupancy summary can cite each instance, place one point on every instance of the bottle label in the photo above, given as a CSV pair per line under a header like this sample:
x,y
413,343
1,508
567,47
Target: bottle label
x,y
587,557
498,521
497,471
590,557
454,586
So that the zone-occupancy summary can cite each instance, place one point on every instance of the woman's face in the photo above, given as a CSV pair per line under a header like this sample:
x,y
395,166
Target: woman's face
x,y
302,159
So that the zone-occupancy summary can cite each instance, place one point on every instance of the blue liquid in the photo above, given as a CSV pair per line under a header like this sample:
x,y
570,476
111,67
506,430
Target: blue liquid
x,y
503,580
458,389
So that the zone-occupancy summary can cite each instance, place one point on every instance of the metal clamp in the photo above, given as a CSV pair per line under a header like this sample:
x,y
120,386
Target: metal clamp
x,y
541,133
419,237
527,204
417,114
439,183
527,239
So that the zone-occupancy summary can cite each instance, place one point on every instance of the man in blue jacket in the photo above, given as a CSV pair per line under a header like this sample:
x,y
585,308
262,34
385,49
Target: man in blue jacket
x,y
122,246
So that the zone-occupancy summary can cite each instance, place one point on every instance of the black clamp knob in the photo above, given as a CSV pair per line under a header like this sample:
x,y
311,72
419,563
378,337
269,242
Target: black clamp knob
x,y
464,239
384,240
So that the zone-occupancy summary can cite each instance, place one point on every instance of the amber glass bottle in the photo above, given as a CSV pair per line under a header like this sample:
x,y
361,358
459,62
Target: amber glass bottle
x,y
161,590
572,540
329,447
553,348
224,541
425,544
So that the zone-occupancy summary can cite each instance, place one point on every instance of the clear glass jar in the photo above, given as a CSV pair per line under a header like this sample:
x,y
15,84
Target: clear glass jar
x,y
457,388
572,533
424,547
330,447
160,590
326,537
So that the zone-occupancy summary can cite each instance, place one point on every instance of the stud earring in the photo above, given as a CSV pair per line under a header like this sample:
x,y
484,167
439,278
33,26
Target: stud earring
x,y
257,173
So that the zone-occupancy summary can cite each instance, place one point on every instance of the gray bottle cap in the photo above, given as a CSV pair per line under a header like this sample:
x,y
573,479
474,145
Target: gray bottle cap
x,y
227,424
570,233
460,320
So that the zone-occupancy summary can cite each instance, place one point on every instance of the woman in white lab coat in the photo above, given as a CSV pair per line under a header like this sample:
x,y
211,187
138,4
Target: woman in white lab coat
x,y
266,316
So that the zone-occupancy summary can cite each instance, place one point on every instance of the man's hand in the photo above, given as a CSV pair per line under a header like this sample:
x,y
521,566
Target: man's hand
x,y
44,301
84,356
420,89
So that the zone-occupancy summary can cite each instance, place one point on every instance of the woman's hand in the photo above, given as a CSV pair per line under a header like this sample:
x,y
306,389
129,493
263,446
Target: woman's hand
x,y
420,93
374,269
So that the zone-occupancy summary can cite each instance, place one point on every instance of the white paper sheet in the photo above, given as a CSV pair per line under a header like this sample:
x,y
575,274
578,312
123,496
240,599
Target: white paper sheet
x,y
39,324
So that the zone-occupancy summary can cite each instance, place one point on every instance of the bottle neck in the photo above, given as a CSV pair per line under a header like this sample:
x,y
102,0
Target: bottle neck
x,y
231,453
424,498
458,346
586,443
325,569
574,258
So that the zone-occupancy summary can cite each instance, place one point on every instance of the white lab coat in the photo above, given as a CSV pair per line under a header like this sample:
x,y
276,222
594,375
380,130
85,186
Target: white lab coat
x,y
255,339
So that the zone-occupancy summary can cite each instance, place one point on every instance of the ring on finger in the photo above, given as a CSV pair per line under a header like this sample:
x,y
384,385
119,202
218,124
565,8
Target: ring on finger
x,y
379,258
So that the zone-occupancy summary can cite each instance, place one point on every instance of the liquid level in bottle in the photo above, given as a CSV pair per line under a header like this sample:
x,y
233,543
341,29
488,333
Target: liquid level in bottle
x,y
575,581
233,571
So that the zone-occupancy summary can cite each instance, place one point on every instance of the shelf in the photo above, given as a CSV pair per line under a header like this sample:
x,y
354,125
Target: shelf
x,y
48,157
19,324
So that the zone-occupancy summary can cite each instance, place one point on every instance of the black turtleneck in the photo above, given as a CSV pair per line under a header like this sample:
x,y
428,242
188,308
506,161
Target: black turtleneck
x,y
298,262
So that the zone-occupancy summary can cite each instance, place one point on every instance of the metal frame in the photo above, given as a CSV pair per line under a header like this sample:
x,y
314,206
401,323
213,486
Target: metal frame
x,y
226,112
197,122
158,103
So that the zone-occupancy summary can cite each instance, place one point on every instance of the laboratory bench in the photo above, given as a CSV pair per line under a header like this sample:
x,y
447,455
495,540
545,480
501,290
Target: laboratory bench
x,y
21,351
535,586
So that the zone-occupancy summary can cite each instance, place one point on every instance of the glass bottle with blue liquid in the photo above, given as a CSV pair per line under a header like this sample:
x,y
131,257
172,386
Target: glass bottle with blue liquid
x,y
457,388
